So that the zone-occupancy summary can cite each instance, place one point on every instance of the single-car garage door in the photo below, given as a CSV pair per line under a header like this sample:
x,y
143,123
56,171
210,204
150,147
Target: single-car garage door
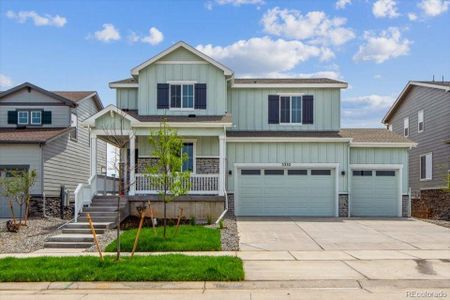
x,y
286,192
374,193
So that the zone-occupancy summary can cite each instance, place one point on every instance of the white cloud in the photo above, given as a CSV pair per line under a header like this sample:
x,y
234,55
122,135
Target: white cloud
x,y
385,9
263,56
379,48
107,34
341,4
371,101
434,8
314,27
377,76
412,16
239,2
365,111
5,81
38,20
209,5
154,37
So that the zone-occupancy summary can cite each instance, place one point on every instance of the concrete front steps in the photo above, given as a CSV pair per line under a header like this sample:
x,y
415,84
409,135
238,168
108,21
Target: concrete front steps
x,y
103,212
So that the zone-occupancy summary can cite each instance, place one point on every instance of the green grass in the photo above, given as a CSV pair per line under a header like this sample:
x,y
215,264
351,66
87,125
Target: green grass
x,y
189,238
139,268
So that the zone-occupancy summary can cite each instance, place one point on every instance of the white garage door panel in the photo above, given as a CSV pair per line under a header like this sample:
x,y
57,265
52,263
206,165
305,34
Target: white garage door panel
x,y
286,195
375,196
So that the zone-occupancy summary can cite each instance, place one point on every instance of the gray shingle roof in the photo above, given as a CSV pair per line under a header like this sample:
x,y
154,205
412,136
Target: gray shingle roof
x,y
286,80
30,135
194,118
127,80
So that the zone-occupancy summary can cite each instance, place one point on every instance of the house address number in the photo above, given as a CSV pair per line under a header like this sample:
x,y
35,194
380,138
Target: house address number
x,y
286,164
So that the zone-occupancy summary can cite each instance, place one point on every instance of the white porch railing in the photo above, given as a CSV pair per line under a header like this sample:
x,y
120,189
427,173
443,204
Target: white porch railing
x,y
84,193
199,184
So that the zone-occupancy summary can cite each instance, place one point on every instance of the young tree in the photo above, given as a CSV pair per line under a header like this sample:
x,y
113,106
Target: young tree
x,y
17,188
166,173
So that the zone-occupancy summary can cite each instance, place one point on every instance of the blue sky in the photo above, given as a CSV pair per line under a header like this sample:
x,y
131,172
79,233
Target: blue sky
x,y
374,45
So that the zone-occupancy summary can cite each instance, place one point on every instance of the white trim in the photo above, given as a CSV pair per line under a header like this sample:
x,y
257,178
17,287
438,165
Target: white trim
x,y
426,166
238,166
18,117
286,140
406,126
194,153
90,122
132,163
182,124
31,117
396,167
289,85
181,62
420,113
382,145
226,71
123,85
181,84
208,156
290,123
403,92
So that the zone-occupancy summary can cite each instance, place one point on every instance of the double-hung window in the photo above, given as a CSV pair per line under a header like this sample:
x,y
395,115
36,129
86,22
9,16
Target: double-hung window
x,y
406,126
420,121
36,117
22,117
290,109
182,96
426,166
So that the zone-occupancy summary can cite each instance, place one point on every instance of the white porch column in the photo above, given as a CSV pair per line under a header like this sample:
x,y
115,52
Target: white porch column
x,y
222,165
132,165
93,154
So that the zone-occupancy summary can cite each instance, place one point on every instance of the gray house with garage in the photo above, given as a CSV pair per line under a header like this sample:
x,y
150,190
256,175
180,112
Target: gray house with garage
x,y
40,130
264,147
422,114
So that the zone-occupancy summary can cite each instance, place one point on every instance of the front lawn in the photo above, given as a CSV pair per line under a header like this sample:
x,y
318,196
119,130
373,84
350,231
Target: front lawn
x,y
189,238
139,268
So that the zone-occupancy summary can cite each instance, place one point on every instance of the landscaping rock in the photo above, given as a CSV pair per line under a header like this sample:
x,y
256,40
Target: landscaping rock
x,y
229,234
29,238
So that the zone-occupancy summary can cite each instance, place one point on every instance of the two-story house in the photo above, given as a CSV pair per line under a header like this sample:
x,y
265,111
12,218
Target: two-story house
x,y
272,147
40,130
422,113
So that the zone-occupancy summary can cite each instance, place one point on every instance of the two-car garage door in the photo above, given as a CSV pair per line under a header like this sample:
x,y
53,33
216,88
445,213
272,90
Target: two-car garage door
x,y
286,192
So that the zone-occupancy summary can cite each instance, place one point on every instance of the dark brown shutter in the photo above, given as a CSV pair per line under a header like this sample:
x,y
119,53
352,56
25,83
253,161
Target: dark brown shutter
x,y
200,96
162,96
46,117
12,117
308,109
274,109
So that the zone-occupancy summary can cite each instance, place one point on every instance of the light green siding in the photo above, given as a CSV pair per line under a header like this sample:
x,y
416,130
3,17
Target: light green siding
x,y
127,98
249,108
112,124
201,73
288,152
181,54
383,156
207,146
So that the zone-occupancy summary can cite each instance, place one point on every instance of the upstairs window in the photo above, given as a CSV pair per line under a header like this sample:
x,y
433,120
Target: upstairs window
x,y
426,166
74,125
182,96
420,121
291,109
406,126
22,117
36,117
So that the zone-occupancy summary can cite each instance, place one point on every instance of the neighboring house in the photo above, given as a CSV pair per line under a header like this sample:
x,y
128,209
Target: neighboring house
x,y
41,130
422,113
272,147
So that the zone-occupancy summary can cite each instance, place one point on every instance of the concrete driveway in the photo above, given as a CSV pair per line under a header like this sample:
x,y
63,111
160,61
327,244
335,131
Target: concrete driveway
x,y
325,234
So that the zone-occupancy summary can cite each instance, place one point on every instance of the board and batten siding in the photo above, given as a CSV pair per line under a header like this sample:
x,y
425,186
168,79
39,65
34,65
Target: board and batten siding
x,y
66,161
435,104
249,108
288,152
206,146
383,156
127,98
19,154
214,78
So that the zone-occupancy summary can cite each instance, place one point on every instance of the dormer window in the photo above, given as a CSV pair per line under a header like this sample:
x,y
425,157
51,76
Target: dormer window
x,y
22,117
182,96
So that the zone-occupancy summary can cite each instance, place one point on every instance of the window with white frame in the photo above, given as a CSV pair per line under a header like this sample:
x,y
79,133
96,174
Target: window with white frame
x,y
36,117
22,117
426,166
290,109
406,126
182,96
420,123
74,125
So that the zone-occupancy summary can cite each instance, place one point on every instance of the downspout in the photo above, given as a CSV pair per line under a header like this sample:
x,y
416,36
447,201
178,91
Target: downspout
x,y
224,179
42,181
349,185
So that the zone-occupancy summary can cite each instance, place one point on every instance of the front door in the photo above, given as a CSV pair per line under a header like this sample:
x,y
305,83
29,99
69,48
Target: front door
x,y
188,164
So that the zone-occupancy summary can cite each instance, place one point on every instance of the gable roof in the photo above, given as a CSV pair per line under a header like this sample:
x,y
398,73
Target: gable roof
x,y
443,85
124,83
226,70
109,109
78,96
30,135
39,89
